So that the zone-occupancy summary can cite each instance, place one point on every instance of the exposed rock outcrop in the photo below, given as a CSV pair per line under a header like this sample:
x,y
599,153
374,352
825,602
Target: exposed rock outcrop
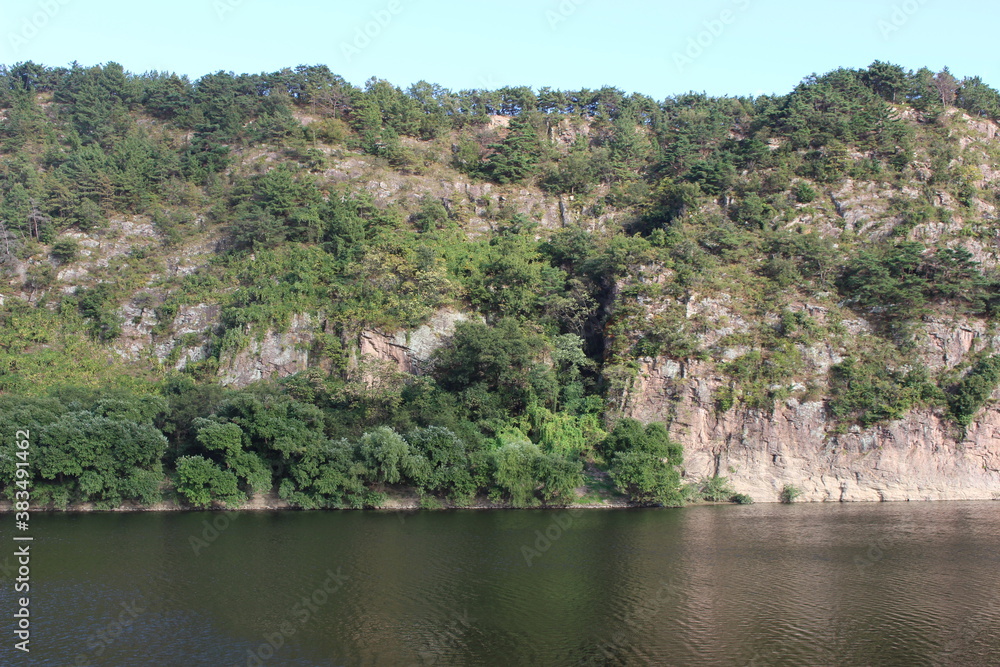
x,y
274,354
409,351
921,457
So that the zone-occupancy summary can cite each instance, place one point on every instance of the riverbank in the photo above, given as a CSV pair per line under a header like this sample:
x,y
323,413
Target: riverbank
x,y
269,502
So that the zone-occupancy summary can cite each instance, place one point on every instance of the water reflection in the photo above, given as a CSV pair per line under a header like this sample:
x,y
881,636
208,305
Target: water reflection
x,y
888,584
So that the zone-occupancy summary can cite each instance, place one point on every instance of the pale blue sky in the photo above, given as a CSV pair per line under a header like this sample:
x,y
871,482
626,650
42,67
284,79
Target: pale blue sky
x,y
746,47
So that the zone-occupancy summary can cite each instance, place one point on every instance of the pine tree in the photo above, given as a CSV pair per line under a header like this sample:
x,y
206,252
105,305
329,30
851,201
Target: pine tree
x,y
516,157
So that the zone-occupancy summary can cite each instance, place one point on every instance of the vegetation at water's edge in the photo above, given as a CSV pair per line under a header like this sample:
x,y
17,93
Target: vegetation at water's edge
x,y
665,201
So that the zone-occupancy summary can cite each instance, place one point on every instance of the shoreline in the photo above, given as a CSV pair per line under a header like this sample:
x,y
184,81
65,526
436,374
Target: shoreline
x,y
281,506
405,505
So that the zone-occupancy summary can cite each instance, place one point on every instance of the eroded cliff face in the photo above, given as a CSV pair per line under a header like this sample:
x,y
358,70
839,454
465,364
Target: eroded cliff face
x,y
410,351
921,457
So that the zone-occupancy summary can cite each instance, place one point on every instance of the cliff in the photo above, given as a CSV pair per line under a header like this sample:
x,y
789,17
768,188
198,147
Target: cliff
x,y
800,287
920,457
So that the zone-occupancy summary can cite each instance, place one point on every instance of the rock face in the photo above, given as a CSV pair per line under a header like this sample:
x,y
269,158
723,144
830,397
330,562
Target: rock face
x,y
409,351
276,354
921,457
280,354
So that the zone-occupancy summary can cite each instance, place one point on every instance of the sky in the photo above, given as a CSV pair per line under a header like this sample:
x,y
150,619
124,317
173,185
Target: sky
x,y
722,47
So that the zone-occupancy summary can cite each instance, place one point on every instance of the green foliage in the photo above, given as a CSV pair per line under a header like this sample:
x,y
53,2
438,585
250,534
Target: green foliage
x,y
696,191
789,493
972,392
512,279
804,193
715,489
496,371
526,476
201,482
761,374
643,462
514,466
869,393
978,98
99,456
516,157
646,478
899,281
64,250
387,455
451,467
98,305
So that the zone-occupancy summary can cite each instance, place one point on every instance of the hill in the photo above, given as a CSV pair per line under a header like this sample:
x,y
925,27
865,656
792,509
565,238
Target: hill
x,y
283,283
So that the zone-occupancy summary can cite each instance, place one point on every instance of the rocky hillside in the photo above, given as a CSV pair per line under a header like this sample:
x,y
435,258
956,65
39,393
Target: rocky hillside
x,y
802,289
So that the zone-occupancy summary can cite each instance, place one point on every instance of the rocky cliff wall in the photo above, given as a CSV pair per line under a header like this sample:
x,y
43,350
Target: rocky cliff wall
x,y
920,457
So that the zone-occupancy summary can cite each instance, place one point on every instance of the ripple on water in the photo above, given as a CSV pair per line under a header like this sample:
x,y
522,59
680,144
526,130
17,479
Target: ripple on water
x,y
889,584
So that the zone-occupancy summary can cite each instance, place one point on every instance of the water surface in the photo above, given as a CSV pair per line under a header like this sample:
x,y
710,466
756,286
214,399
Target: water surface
x,y
884,584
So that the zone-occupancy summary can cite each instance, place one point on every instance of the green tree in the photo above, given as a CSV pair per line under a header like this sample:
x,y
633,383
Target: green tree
x,y
887,80
516,157
493,369
972,392
387,455
201,482
643,462
978,98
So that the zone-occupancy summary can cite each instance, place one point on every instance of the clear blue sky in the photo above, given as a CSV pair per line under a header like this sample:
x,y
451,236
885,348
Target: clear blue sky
x,y
759,46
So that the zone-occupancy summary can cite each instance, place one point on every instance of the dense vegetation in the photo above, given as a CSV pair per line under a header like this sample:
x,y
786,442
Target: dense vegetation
x,y
663,201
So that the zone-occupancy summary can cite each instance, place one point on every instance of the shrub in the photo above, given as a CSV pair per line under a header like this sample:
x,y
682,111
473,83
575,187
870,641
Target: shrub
x,y
869,393
804,193
430,503
972,392
643,462
789,493
201,481
647,478
64,250
715,489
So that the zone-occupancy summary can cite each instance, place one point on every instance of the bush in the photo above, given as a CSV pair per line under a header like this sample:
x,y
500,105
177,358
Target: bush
x,y
201,481
804,193
65,250
430,503
643,462
869,393
715,489
789,493
742,499
629,435
99,306
646,478
972,392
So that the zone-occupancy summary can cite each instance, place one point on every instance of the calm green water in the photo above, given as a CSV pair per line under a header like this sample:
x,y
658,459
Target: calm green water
x,y
889,584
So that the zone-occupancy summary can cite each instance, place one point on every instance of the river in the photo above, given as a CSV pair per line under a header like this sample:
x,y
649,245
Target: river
x,y
904,584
